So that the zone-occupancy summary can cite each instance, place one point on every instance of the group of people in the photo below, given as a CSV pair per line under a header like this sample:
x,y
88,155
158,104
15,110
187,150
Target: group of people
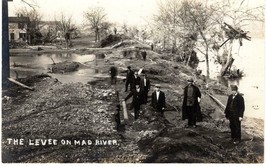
x,y
234,110
140,87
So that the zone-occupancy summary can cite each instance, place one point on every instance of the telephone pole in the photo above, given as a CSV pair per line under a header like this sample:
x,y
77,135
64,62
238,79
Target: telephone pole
x,y
5,45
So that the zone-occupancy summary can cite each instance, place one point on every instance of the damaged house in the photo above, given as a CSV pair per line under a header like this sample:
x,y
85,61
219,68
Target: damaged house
x,y
18,28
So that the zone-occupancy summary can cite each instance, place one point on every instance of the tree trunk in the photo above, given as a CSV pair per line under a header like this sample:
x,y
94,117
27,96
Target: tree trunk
x,y
226,66
188,60
207,62
174,46
230,51
95,36
98,36
164,42
229,61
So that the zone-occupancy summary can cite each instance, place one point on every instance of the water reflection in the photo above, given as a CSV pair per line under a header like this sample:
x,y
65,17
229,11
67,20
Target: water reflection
x,y
249,59
27,65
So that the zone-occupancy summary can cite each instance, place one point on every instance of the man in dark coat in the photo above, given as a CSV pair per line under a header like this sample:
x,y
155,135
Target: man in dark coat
x,y
113,74
152,46
129,78
143,53
190,108
67,38
158,100
145,87
136,80
234,111
137,95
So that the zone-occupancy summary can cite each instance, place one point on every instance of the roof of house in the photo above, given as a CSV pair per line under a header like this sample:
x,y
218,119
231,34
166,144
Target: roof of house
x,y
18,19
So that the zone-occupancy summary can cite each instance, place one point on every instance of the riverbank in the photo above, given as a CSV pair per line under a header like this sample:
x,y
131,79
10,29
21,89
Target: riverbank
x,y
77,111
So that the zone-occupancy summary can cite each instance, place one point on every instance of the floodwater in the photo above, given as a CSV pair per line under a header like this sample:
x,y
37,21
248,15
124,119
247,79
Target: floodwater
x,y
36,64
250,59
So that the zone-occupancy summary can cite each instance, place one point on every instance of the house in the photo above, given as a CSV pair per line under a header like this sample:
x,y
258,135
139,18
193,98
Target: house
x,y
49,26
18,28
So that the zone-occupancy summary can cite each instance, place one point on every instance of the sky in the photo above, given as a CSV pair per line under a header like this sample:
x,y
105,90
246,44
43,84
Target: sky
x,y
122,11
131,12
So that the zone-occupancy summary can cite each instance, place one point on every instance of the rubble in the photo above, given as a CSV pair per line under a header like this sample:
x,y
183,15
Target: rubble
x,y
65,66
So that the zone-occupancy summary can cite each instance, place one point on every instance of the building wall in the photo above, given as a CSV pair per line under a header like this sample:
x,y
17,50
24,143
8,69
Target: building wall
x,y
13,28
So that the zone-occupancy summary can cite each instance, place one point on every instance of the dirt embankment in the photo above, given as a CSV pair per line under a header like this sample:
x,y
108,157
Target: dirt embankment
x,y
77,112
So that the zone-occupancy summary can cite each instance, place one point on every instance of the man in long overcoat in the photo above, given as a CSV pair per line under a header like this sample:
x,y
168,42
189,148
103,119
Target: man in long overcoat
x,y
113,74
129,78
137,101
234,111
191,108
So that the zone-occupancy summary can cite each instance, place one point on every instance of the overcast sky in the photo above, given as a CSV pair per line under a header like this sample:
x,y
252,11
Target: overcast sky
x,y
134,12
128,11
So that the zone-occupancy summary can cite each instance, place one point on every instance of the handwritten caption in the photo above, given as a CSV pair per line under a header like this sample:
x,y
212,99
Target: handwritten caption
x,y
54,142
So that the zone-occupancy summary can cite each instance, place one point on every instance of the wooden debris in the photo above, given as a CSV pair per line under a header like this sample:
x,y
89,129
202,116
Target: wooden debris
x,y
216,100
125,114
20,84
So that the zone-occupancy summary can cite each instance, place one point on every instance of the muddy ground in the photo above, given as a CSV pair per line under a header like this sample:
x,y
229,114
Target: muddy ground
x,y
84,116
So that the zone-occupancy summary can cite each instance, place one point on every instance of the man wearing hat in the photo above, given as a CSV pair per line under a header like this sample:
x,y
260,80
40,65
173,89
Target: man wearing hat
x,y
191,108
129,78
136,80
137,100
113,71
158,100
234,112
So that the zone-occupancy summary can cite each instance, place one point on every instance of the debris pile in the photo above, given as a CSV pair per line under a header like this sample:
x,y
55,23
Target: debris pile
x,y
65,66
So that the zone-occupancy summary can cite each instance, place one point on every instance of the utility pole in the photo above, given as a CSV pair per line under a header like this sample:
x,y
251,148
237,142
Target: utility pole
x,y
5,45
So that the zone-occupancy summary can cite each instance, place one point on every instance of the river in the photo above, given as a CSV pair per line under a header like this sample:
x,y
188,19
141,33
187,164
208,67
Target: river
x,y
38,63
249,58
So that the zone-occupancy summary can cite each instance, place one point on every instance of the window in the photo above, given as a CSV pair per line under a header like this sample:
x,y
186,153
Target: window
x,y
20,25
12,36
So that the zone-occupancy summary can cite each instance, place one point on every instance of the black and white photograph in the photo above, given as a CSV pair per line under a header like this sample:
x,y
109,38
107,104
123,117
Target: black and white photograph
x,y
133,82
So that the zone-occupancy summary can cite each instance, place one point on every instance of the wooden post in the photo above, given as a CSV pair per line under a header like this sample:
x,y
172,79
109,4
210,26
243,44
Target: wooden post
x,y
5,45
125,113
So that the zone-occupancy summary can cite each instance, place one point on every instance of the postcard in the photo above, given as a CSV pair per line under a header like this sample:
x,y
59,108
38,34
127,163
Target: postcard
x,y
123,81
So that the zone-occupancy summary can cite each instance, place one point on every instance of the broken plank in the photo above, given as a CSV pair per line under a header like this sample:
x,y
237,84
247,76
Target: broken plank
x,y
217,101
20,84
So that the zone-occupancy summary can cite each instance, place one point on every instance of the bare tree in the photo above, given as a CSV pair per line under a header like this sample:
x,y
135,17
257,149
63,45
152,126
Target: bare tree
x,y
104,29
167,21
201,21
125,28
238,16
65,26
96,17
63,22
33,24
